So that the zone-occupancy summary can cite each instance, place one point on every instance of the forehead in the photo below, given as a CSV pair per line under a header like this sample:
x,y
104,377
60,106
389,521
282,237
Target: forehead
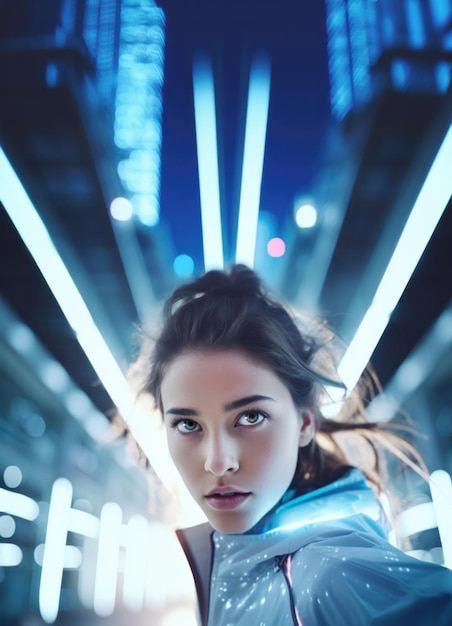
x,y
228,370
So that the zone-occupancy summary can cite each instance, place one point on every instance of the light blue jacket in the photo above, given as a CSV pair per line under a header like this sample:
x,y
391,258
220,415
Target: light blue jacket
x,y
323,559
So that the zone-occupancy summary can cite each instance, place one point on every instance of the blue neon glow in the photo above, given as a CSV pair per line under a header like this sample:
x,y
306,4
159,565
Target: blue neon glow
x,y
206,143
253,159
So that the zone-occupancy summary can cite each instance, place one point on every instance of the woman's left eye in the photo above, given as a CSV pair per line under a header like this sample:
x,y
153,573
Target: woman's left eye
x,y
251,418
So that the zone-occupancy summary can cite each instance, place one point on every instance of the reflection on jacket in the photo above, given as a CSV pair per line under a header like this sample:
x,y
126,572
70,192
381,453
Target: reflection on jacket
x,y
321,559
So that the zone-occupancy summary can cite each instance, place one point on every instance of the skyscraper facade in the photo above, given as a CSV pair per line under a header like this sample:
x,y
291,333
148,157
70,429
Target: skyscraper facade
x,y
404,45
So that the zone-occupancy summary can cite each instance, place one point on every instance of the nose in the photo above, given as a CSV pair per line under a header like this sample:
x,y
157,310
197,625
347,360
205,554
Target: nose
x,y
221,455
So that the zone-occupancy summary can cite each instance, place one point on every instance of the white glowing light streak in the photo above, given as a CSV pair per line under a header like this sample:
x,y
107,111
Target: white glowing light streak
x,y
136,562
416,519
37,239
83,523
18,505
107,559
158,582
10,555
72,556
253,159
441,490
424,217
206,142
54,549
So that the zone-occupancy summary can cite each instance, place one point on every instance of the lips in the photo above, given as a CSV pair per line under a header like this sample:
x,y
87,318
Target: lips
x,y
226,498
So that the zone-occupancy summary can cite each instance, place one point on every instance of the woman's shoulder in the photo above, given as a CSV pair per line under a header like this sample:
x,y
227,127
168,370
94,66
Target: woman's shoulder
x,y
358,574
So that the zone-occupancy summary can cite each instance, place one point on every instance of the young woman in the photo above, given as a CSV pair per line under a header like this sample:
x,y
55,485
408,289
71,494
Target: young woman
x,y
296,533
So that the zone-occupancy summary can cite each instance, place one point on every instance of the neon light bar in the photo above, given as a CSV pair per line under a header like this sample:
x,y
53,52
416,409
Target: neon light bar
x,y
424,217
206,141
253,159
37,239
441,490
18,505
107,559
33,232
54,550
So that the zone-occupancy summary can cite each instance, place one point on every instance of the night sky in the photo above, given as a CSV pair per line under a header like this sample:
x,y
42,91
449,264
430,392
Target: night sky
x,y
231,32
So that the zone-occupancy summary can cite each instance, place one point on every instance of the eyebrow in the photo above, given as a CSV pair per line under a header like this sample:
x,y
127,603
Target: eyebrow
x,y
229,406
238,404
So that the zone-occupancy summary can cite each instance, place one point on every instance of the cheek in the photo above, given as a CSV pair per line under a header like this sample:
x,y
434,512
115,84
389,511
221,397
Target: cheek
x,y
183,455
276,455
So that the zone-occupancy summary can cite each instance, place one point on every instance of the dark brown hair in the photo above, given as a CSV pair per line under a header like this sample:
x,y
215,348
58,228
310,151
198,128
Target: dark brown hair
x,y
232,310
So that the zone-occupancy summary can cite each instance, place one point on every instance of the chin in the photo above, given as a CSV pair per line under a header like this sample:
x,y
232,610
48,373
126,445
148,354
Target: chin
x,y
231,527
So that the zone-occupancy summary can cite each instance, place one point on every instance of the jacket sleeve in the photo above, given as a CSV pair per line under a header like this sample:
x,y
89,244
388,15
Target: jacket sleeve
x,y
368,584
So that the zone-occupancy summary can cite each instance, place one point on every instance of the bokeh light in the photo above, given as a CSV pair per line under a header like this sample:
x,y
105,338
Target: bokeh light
x,y
306,216
121,209
12,476
183,265
276,247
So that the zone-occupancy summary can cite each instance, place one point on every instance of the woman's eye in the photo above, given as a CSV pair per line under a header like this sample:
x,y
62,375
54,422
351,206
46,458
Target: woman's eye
x,y
187,426
251,418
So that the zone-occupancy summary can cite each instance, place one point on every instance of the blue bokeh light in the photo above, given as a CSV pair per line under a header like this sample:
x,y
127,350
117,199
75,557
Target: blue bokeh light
x,y
183,265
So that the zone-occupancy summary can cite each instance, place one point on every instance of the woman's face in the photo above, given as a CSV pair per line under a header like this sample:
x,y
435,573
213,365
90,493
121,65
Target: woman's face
x,y
233,433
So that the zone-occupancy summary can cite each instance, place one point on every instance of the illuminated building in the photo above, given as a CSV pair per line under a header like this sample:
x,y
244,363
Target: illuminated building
x,y
405,44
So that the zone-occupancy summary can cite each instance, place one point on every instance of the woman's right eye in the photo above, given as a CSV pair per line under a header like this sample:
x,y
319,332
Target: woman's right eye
x,y
186,426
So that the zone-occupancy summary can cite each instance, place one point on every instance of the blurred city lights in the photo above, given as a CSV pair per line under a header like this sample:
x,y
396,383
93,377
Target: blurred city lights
x,y
276,247
121,209
306,216
155,571
138,106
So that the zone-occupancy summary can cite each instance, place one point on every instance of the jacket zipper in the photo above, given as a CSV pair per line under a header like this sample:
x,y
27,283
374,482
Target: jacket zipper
x,y
285,565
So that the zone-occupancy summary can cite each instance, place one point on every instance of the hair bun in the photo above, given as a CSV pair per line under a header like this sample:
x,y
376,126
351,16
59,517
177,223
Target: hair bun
x,y
241,281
